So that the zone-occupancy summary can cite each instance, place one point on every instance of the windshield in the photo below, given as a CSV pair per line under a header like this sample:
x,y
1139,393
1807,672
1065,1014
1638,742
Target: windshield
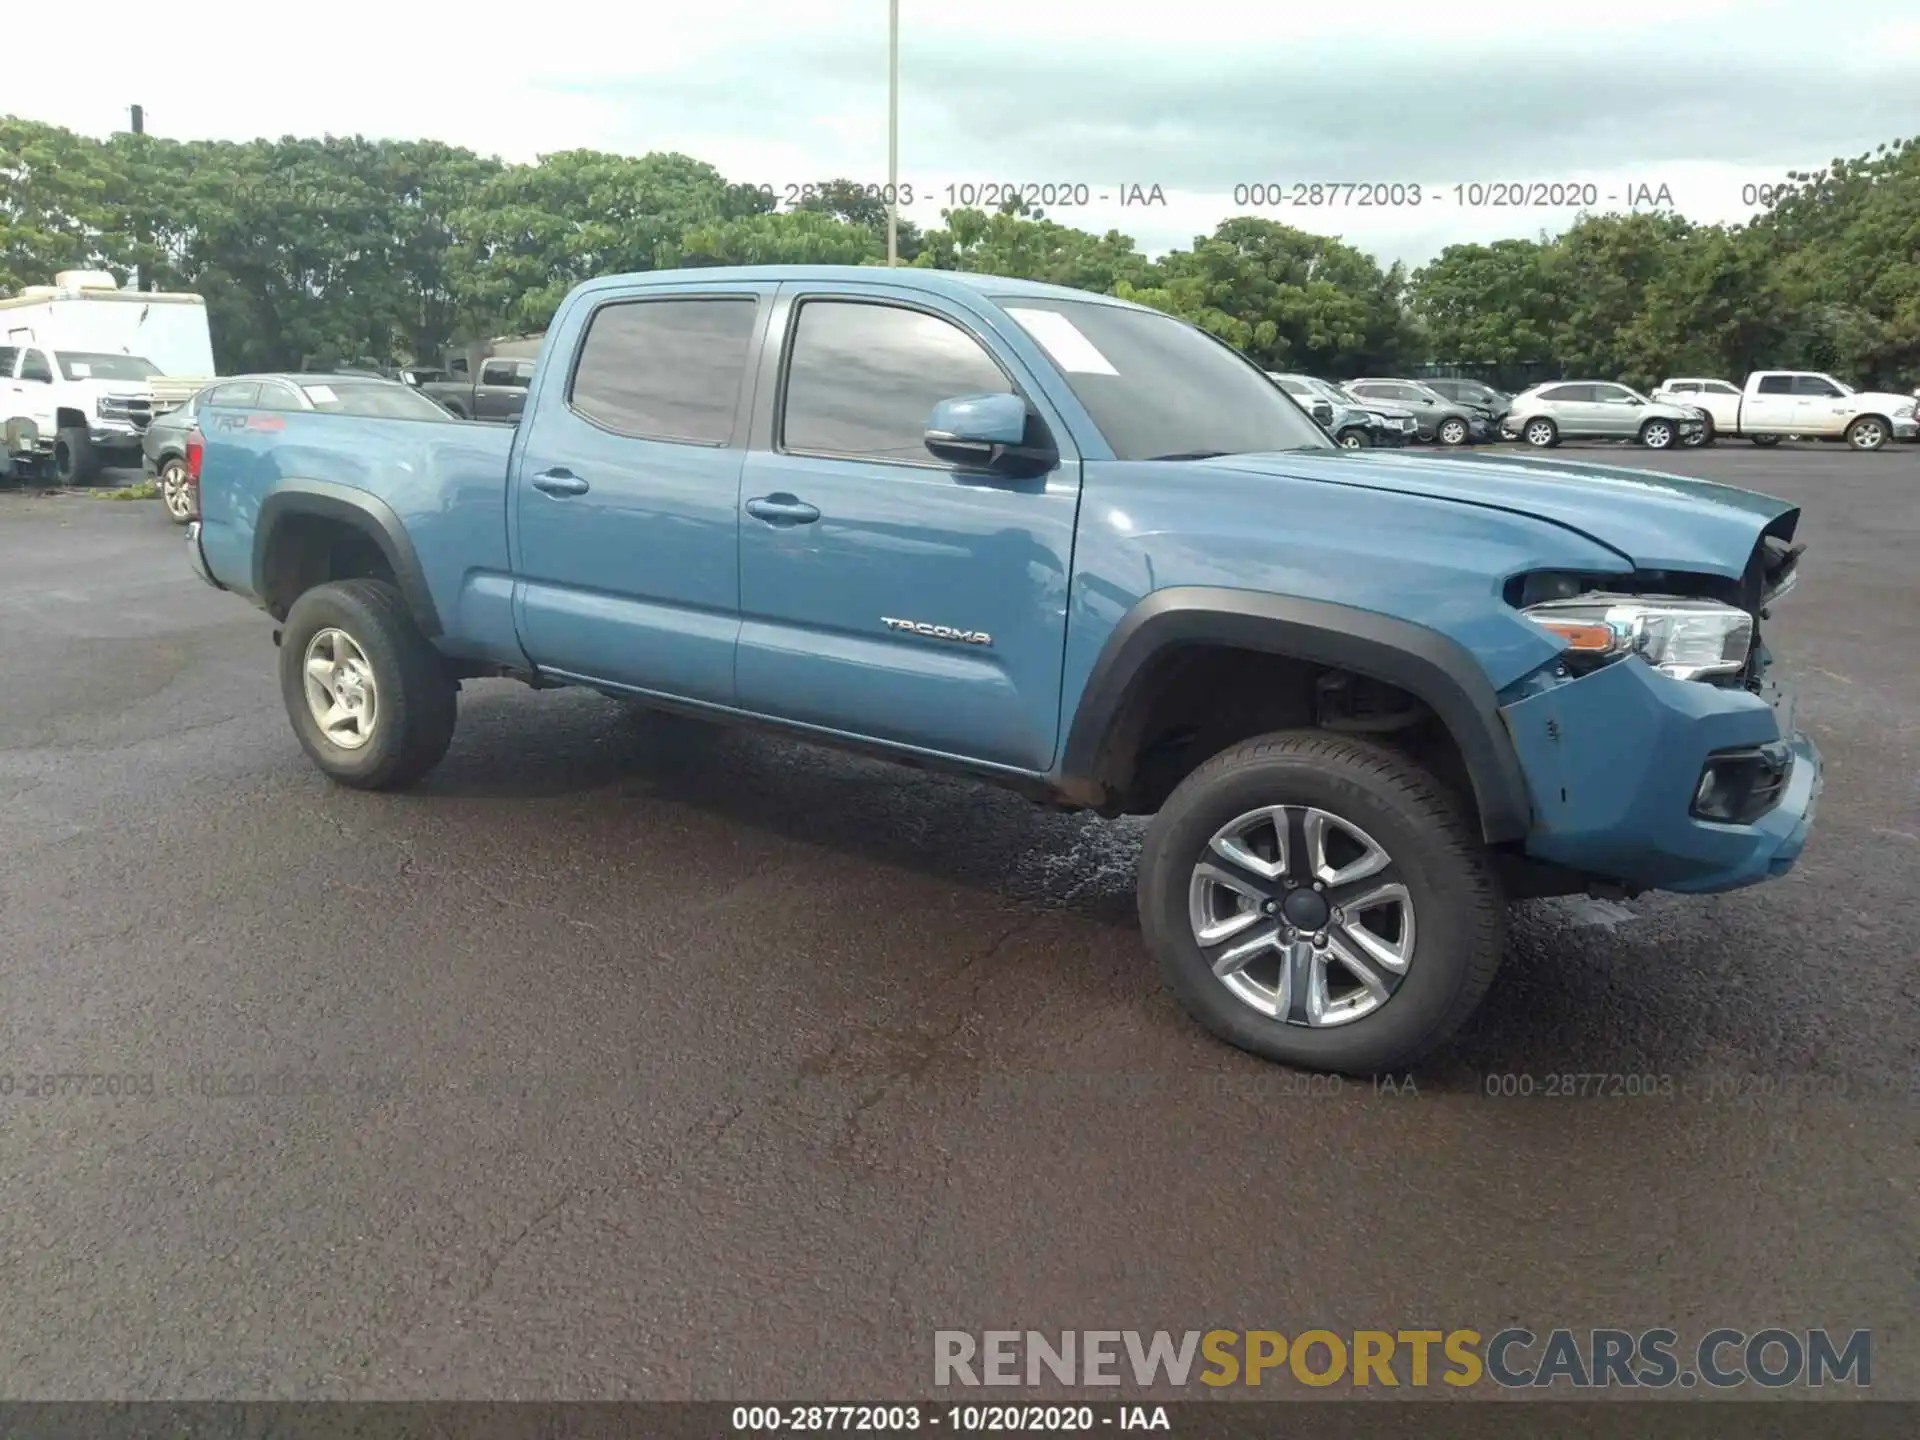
x,y
1159,388
106,367
381,400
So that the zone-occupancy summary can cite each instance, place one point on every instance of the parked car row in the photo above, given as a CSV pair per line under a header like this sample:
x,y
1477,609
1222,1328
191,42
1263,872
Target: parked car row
x,y
1364,413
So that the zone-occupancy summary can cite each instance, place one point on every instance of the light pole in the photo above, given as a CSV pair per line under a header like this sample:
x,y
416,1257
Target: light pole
x,y
893,132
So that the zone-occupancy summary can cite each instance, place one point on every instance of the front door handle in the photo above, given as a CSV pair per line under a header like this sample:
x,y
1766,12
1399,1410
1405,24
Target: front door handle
x,y
782,509
559,482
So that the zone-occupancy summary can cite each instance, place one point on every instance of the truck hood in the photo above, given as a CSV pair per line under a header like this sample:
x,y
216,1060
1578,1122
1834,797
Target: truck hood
x,y
1656,521
1878,399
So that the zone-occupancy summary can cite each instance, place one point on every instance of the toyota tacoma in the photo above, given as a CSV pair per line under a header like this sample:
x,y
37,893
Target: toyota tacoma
x,y
1078,548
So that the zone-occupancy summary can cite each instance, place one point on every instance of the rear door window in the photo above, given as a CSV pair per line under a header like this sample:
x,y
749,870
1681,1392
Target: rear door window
x,y
666,369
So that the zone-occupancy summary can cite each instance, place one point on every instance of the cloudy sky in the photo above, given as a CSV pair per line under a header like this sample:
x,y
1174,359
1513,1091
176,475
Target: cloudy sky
x,y
1706,98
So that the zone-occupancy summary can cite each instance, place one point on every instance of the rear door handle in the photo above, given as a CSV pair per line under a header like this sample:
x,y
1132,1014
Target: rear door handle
x,y
776,509
559,482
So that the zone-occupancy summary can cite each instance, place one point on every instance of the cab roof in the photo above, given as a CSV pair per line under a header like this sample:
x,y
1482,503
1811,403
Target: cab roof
x,y
952,283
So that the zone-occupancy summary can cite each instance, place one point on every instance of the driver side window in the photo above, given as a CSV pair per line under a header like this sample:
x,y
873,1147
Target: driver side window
x,y
35,367
862,378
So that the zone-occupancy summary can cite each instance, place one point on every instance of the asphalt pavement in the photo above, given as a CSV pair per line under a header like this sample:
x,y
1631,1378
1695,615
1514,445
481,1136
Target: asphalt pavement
x,y
630,1059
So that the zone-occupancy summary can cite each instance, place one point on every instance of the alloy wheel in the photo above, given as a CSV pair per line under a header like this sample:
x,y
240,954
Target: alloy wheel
x,y
1867,435
1657,436
176,491
1539,432
340,689
1302,916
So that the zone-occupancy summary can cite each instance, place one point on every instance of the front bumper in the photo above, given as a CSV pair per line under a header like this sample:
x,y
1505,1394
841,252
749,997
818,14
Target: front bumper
x,y
1908,429
1614,760
109,434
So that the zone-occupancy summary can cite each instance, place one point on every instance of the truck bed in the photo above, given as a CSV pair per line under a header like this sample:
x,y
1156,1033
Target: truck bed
x,y
445,484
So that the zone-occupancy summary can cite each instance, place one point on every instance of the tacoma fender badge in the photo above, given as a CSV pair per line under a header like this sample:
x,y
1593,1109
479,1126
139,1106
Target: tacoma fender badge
x,y
938,632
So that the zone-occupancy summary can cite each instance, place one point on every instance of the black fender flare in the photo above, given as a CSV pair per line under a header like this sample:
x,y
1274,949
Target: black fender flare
x,y
365,512
1425,663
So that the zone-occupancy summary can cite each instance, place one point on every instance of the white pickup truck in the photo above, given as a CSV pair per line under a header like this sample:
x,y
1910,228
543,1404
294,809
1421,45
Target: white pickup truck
x,y
1777,404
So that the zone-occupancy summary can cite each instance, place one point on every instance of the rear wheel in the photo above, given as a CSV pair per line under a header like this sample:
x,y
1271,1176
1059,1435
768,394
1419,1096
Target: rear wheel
x,y
1321,902
1766,440
370,698
176,490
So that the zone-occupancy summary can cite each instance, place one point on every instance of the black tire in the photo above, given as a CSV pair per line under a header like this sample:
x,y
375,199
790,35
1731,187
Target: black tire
x,y
417,698
1452,432
1353,438
1436,854
1702,438
1541,433
74,460
1869,432
1764,441
1668,432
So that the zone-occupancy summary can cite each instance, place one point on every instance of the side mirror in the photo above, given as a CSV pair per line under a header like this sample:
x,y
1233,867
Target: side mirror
x,y
989,433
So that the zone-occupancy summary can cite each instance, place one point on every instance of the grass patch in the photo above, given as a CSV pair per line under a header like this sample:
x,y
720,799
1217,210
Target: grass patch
x,y
145,490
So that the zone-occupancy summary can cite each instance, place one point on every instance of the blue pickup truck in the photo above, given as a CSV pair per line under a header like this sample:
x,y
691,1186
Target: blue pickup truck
x,y
1081,549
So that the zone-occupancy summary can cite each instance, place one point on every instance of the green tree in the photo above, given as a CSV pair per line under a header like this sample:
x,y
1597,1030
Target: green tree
x,y
794,237
858,204
1288,299
1498,304
532,232
1024,248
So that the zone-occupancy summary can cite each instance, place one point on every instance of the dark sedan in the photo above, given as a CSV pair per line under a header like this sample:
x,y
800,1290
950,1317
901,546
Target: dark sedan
x,y
163,456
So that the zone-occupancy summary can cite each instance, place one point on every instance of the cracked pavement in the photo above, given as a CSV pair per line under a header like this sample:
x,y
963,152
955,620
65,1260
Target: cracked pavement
x,y
634,1059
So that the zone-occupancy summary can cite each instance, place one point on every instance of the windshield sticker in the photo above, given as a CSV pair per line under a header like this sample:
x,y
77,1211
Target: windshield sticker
x,y
1061,338
321,394
80,371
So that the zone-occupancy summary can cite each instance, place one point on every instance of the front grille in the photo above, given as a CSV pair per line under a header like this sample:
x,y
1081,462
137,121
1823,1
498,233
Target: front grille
x,y
136,409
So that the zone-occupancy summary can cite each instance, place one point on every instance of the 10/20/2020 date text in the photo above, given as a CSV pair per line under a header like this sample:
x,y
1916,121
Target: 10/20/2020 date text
x,y
964,194
1472,195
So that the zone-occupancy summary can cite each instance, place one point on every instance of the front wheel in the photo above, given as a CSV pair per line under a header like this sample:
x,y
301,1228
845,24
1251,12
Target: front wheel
x,y
1869,432
1452,432
370,699
1353,439
1766,441
1541,433
1657,434
1702,437
1322,902
75,462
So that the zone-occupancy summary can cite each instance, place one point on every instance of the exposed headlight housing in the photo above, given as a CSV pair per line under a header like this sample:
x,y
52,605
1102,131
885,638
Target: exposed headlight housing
x,y
1687,639
1905,412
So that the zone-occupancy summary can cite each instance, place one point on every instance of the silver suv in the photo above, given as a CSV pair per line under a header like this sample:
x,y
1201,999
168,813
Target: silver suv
x,y
1600,410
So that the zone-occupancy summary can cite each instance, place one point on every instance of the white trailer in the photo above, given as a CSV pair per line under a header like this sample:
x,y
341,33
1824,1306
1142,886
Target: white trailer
x,y
85,367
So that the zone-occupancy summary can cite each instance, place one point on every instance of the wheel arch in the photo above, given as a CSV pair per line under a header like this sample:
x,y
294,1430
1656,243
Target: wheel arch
x,y
302,510
1430,666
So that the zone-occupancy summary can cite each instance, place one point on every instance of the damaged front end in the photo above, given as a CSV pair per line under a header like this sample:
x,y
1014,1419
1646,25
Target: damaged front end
x,y
1662,748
